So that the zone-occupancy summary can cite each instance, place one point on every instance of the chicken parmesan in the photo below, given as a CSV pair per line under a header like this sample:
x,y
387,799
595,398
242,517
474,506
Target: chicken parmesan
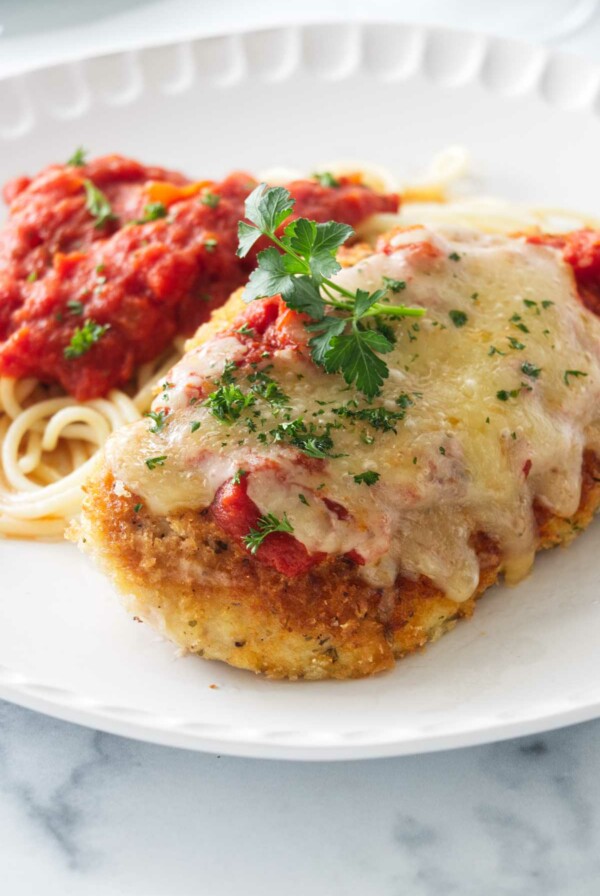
x,y
343,462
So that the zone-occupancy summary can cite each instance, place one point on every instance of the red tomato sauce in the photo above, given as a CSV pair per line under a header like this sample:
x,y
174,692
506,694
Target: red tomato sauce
x,y
145,282
581,250
237,514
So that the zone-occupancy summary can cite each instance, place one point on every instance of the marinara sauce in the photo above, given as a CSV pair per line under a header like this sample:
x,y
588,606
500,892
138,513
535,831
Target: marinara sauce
x,y
153,268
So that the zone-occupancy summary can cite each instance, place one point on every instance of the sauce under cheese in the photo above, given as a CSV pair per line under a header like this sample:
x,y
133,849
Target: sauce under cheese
x,y
491,398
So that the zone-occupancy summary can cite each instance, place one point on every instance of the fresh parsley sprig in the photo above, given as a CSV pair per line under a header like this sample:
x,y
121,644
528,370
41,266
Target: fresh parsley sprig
x,y
299,267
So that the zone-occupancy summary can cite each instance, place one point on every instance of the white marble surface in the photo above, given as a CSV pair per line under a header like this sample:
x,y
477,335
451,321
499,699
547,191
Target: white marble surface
x,y
90,814
95,815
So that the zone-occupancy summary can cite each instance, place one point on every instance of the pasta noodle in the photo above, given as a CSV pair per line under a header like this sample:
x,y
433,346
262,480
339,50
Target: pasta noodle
x,y
48,440
48,445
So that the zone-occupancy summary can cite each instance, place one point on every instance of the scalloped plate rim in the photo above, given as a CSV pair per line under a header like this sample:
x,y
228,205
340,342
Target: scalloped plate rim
x,y
261,745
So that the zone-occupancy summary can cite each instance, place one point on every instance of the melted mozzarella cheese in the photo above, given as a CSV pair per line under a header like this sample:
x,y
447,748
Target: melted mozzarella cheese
x,y
493,419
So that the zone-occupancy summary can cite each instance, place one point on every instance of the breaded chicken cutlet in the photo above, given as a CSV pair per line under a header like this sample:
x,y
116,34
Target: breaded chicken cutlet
x,y
271,516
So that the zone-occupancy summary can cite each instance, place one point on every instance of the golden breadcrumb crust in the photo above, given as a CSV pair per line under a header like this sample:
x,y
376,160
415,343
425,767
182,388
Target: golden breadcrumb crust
x,y
184,576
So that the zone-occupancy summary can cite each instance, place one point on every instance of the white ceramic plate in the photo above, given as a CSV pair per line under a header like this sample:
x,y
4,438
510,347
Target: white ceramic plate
x,y
394,95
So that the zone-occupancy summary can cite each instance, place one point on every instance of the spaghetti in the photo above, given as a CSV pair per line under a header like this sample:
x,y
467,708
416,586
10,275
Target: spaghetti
x,y
48,443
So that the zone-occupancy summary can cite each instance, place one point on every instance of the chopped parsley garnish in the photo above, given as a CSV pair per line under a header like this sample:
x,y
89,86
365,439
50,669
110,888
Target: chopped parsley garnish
x,y
454,256
404,401
302,499
152,212
495,351
210,244
210,199
300,272
394,285
309,439
369,477
530,370
77,160
442,450
32,277
504,394
517,321
569,373
326,179
266,525
195,425
238,476
97,205
378,417
262,384
137,508
75,307
514,343
159,420
153,462
228,402
547,303
529,303
245,330
84,338
458,318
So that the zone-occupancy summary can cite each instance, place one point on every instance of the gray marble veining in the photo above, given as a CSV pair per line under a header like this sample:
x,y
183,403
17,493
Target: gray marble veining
x,y
92,814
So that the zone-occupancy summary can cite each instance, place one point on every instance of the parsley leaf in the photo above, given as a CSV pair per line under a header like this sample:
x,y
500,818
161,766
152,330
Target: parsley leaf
x,y
152,212
458,318
210,199
530,370
378,417
317,243
514,343
326,179
248,234
270,277
75,307
369,477
504,394
266,525
228,402
354,355
153,462
159,420
298,267
84,338
77,160
365,301
569,373
308,439
325,329
266,388
97,205
394,285
268,207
